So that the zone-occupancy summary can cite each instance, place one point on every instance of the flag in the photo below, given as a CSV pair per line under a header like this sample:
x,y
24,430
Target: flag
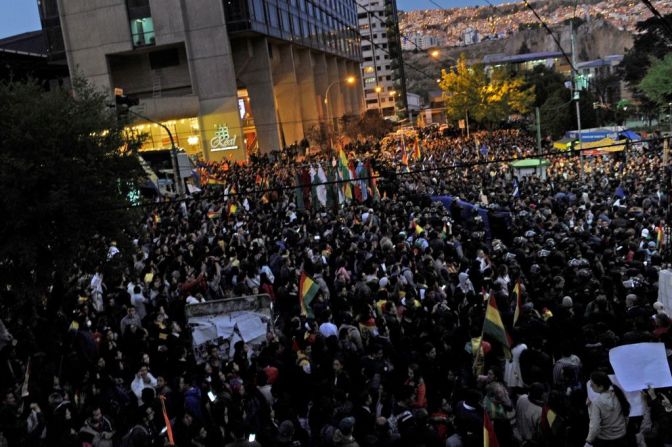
x,y
489,436
620,192
516,189
416,149
353,176
548,418
362,174
660,237
418,229
484,150
212,214
493,325
404,157
166,419
307,291
321,188
258,180
517,291
374,183
233,208
345,174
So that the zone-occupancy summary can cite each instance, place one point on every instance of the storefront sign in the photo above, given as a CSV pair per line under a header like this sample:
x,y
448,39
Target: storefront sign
x,y
223,141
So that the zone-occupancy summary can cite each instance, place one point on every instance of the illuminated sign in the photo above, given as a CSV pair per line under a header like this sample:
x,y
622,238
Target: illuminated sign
x,y
223,141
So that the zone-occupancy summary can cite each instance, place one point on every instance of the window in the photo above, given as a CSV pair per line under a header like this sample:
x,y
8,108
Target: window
x,y
164,58
142,31
142,25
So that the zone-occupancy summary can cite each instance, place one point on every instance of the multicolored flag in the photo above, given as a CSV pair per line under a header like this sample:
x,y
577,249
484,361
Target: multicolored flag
x,y
166,419
416,150
307,291
489,436
494,327
212,214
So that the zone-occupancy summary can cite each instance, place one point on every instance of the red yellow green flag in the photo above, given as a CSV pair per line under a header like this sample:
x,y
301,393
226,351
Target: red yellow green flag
x,y
489,436
307,291
493,325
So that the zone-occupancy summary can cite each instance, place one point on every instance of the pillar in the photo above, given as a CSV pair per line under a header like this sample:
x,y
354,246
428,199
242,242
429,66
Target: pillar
x,y
253,68
346,88
321,82
357,92
335,100
287,94
308,97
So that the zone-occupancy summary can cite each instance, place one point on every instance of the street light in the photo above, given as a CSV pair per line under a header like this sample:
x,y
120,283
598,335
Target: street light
x,y
435,54
350,80
393,93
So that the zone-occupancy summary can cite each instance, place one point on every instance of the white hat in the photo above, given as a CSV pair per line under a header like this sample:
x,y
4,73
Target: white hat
x,y
383,282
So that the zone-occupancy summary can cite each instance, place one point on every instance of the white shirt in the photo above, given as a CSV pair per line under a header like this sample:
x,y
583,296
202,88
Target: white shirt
x,y
138,385
328,329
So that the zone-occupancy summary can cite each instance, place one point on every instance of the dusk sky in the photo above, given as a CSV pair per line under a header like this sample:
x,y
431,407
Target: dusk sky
x,y
19,16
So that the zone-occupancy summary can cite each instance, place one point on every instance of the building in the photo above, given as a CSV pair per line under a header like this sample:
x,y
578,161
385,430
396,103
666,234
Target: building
x,y
25,56
228,77
382,63
470,36
603,79
523,62
419,42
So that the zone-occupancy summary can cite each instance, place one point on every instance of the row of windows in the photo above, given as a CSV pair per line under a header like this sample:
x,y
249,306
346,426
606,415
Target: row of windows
x,y
300,20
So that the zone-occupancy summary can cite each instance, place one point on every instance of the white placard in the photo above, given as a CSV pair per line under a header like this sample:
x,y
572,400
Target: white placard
x,y
641,365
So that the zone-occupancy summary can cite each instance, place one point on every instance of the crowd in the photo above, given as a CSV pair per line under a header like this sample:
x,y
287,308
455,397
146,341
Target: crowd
x,y
391,354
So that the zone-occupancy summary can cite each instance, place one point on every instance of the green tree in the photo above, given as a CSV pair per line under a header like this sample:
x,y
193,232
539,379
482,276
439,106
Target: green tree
x,y
66,173
487,99
545,81
657,84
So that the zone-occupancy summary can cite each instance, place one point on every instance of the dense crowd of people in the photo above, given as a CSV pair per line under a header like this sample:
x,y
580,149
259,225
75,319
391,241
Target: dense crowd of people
x,y
390,355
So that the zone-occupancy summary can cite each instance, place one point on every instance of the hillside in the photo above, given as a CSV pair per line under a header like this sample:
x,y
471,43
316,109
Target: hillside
x,y
596,39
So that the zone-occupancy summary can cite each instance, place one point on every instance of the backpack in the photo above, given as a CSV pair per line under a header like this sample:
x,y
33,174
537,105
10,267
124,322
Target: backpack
x,y
129,438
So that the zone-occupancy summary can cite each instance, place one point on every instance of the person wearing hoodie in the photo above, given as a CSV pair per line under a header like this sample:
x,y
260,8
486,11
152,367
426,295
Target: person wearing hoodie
x,y
608,413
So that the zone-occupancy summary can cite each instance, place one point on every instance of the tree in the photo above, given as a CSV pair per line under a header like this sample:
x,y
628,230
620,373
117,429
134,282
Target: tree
x,y
545,81
488,99
657,84
66,173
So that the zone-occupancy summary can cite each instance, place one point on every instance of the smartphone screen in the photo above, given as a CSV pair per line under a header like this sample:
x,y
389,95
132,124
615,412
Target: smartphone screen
x,y
252,437
212,396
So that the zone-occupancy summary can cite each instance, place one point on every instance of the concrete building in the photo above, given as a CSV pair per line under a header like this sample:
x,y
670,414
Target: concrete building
x,y
228,77
382,63
419,42
470,36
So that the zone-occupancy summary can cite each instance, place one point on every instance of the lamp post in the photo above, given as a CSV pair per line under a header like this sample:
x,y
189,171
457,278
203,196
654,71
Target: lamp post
x,y
379,89
350,80
179,185
393,95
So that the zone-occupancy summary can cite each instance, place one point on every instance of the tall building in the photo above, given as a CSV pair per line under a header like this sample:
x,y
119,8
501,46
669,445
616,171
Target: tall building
x,y
382,63
228,77
419,42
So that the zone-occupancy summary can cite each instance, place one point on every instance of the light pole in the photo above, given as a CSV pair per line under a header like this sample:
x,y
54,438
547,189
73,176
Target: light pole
x,y
379,89
393,94
350,80
179,185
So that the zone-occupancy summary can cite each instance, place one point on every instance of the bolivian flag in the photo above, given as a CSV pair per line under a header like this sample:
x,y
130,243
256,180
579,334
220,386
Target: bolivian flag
x,y
212,214
489,436
307,291
494,327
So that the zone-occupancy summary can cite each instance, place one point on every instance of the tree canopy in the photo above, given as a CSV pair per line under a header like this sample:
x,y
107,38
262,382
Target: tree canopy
x,y
66,172
657,84
486,97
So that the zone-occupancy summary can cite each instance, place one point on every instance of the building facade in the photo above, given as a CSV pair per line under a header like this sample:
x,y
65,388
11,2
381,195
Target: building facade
x,y
419,42
382,63
229,77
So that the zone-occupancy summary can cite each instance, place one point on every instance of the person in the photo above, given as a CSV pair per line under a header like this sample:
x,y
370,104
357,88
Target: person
x,y
528,415
143,379
97,430
608,413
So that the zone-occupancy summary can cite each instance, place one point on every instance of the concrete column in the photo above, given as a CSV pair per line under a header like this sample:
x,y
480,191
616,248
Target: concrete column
x,y
346,89
287,94
213,80
321,82
336,108
308,97
357,92
253,68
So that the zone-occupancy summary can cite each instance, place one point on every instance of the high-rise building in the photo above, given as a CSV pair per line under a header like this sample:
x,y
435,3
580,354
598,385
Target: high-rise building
x,y
382,63
229,77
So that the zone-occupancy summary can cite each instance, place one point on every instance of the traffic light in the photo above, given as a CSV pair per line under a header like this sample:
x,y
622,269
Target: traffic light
x,y
123,102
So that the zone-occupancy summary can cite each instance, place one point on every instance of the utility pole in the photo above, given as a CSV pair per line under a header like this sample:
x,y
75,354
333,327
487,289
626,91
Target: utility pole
x,y
576,97
538,121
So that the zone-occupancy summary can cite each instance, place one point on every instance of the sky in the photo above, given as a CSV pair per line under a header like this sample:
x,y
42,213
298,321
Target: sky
x,y
19,16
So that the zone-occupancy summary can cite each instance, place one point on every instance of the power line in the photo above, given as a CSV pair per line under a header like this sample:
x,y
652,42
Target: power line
x,y
663,21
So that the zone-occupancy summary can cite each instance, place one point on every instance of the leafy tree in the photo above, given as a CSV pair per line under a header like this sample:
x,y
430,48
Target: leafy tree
x,y
545,81
558,113
657,84
650,43
486,99
66,173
